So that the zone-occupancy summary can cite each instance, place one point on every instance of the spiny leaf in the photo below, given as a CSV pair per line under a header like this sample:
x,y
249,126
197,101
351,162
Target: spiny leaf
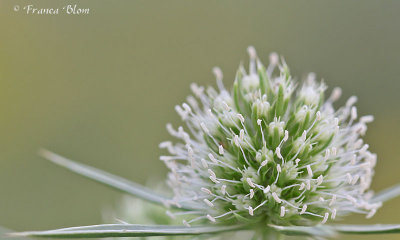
x,y
321,231
387,194
367,229
128,230
108,179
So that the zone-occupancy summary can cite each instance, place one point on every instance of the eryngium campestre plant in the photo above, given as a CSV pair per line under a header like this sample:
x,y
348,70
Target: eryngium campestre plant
x,y
270,150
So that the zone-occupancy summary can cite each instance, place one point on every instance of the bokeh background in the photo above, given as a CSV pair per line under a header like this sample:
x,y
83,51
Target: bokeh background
x,y
100,88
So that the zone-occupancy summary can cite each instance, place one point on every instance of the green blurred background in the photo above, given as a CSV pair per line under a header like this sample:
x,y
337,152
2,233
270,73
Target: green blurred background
x,y
100,88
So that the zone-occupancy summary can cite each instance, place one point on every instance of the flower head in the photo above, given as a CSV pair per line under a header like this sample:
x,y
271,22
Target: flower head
x,y
271,149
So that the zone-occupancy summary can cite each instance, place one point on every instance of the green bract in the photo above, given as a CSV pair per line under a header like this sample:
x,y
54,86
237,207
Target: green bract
x,y
270,150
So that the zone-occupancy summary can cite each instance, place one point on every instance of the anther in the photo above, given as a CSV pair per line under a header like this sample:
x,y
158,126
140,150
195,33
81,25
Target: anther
x,y
320,179
282,211
210,218
367,119
266,190
251,184
276,198
214,179
278,152
286,137
251,211
186,107
333,215
336,93
309,171
241,134
353,113
185,223
208,202
223,189
297,161
204,163
318,115
241,118
349,178
212,158
278,168
221,149
203,126
308,183
332,200
170,214
252,52
212,173
251,193
303,209
205,190
304,136
218,73
325,218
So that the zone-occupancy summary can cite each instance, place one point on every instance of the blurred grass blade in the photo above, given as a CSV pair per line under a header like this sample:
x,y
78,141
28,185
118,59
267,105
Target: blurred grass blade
x,y
108,179
367,229
128,230
320,231
387,194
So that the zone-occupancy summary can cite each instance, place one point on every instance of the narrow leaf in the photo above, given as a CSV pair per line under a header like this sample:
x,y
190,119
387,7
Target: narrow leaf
x,y
128,230
387,194
108,179
320,231
367,229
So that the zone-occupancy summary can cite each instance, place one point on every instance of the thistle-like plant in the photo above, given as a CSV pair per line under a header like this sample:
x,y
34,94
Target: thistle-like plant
x,y
272,156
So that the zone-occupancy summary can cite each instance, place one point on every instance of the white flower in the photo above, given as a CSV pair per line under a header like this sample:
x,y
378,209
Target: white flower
x,y
270,150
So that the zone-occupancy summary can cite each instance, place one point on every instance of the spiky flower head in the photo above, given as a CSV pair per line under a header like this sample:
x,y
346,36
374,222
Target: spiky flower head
x,y
270,150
